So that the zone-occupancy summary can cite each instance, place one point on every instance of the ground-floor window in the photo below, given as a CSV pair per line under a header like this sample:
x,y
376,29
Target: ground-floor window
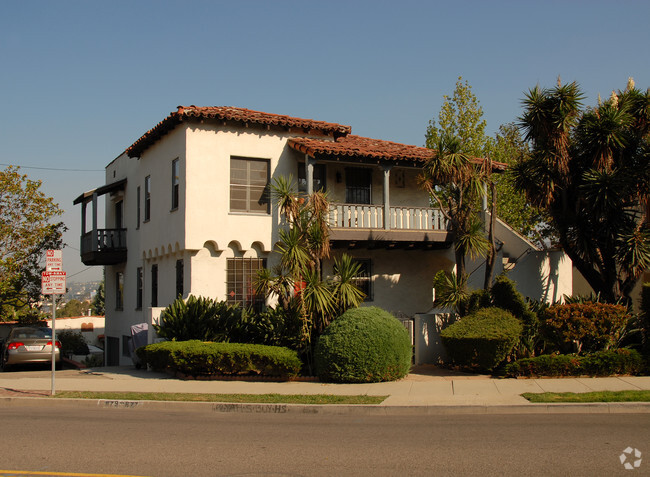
x,y
119,291
363,280
241,275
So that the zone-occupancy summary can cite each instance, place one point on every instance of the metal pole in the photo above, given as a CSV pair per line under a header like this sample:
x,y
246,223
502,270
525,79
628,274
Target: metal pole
x,y
53,340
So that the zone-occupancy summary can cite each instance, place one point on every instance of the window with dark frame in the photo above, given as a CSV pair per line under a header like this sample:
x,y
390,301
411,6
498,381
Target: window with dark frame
x,y
319,177
154,285
119,291
358,185
137,225
241,275
138,294
179,277
175,184
249,180
147,198
363,280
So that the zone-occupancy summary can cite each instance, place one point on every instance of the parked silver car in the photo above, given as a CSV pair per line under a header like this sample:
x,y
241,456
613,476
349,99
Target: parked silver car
x,y
27,344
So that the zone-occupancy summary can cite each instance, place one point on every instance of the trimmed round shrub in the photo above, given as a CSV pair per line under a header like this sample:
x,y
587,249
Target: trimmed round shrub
x,y
482,339
363,345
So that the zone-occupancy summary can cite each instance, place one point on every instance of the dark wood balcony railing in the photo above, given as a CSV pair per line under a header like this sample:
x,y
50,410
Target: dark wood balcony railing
x,y
103,247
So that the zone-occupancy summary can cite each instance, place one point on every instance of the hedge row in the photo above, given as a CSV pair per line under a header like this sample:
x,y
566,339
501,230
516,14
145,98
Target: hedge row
x,y
600,363
198,358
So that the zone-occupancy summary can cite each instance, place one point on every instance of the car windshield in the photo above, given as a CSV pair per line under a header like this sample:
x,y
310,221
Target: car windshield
x,y
32,333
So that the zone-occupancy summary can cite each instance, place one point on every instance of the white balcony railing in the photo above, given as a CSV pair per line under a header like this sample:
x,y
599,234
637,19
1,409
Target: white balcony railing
x,y
372,217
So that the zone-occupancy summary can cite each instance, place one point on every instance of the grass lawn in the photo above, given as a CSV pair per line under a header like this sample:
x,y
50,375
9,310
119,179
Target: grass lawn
x,y
597,396
233,398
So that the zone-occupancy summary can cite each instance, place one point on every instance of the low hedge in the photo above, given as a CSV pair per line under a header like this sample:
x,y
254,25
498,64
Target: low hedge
x,y
600,363
198,358
482,339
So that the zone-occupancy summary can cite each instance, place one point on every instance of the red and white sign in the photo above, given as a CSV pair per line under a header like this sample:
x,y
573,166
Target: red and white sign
x,y
53,283
54,260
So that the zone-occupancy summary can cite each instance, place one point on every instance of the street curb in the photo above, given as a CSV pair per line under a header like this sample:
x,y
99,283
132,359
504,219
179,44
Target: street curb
x,y
339,409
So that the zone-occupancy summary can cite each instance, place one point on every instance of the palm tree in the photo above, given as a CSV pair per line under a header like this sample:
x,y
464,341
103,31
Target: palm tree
x,y
589,170
302,246
456,184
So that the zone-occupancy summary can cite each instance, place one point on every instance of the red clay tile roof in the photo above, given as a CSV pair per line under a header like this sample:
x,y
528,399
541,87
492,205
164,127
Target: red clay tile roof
x,y
227,113
357,147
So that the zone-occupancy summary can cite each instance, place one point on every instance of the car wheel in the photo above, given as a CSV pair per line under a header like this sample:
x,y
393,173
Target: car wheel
x,y
4,365
58,366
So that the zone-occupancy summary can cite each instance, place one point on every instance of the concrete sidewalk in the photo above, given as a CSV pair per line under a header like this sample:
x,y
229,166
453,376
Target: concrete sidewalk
x,y
425,387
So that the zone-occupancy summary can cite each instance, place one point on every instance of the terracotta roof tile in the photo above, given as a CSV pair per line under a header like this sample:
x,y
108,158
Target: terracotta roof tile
x,y
227,113
357,147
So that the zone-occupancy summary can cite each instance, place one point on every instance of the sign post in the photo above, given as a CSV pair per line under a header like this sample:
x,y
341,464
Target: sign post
x,y
53,283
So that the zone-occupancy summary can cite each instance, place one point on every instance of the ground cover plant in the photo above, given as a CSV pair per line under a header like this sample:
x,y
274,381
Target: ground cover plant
x,y
228,398
363,345
596,396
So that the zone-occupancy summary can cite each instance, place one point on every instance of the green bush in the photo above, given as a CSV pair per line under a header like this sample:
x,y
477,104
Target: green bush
x,y
645,317
72,342
584,327
600,363
199,319
505,296
482,339
363,345
198,358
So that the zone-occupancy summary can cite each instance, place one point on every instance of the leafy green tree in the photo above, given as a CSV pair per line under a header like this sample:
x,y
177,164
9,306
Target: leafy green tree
x,y
589,171
98,305
74,307
461,116
27,230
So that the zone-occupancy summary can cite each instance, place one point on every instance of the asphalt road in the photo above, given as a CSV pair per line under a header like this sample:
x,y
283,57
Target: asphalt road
x,y
206,443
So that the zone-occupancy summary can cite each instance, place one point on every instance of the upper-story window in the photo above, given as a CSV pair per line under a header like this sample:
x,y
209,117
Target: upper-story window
x,y
249,180
319,177
358,185
147,198
137,225
175,184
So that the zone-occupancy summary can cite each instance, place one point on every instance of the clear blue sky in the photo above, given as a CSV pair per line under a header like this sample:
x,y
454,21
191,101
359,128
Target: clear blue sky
x,y
82,80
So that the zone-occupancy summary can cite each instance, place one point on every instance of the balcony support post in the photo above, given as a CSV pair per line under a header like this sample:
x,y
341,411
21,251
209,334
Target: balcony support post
x,y
309,172
95,243
387,169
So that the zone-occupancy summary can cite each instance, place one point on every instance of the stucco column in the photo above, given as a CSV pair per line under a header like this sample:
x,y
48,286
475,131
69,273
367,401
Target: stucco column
x,y
309,172
387,169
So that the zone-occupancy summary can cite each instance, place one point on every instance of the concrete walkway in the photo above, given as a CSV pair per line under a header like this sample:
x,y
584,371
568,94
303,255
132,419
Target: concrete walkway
x,y
426,387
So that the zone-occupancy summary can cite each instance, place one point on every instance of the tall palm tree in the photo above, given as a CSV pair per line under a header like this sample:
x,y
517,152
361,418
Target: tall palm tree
x,y
589,170
456,184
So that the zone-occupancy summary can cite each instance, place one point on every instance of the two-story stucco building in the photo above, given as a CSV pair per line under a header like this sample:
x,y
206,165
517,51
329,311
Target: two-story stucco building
x,y
188,211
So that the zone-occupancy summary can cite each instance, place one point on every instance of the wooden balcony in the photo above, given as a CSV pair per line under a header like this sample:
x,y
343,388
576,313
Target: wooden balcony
x,y
411,227
103,247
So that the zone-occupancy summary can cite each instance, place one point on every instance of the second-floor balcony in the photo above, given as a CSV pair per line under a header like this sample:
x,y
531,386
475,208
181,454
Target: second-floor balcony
x,y
368,223
103,247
